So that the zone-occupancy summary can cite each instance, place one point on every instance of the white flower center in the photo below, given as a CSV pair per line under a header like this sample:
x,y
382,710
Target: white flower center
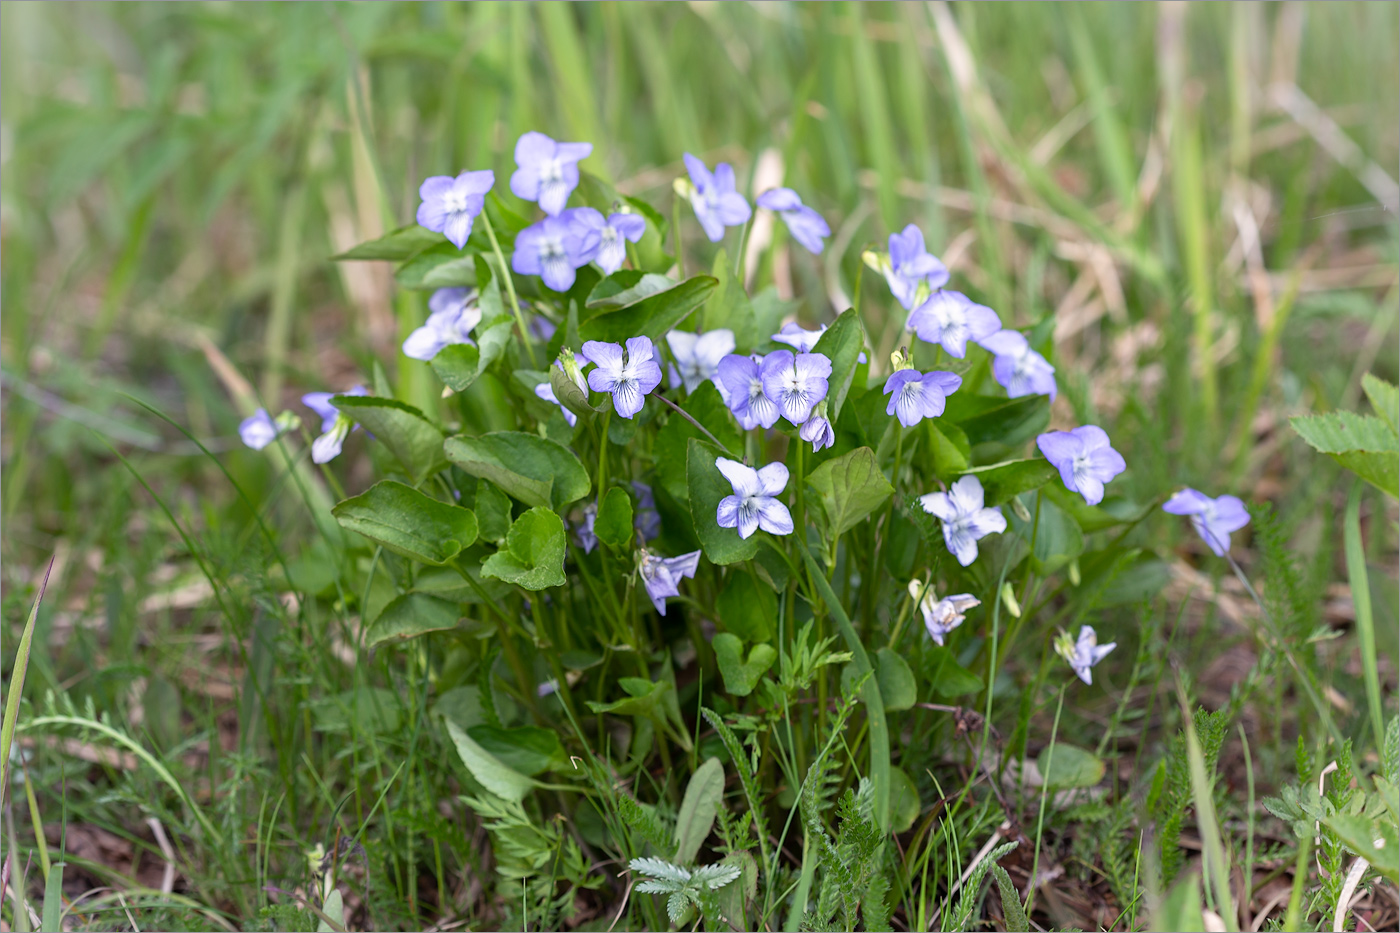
x,y
551,171
455,202
755,389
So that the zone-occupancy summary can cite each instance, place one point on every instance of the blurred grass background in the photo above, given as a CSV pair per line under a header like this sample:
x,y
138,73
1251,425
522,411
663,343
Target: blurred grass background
x,y
1200,196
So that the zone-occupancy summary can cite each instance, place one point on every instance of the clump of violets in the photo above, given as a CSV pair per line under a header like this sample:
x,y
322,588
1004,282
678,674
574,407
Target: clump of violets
x,y
965,520
259,429
915,396
335,427
795,383
1213,519
555,249
662,575
911,271
451,204
951,319
547,171
1017,368
1084,458
754,504
628,374
806,225
453,315
941,616
698,356
740,382
714,197
1084,652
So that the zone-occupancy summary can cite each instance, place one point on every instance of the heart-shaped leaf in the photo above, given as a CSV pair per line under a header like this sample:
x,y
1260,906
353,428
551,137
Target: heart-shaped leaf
x,y
1009,421
613,525
849,488
1069,766
408,523
533,557
897,686
741,675
746,608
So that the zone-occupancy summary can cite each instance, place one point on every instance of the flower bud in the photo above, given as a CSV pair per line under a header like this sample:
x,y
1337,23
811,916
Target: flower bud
x,y
1008,597
1074,572
900,359
288,421
1020,509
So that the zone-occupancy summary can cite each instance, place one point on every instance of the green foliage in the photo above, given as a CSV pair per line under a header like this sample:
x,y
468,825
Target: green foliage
x,y
1367,446
533,557
1170,792
408,523
534,470
849,488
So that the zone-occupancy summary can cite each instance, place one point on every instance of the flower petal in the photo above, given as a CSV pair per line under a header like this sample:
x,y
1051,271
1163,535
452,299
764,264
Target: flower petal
x,y
742,478
772,479
773,516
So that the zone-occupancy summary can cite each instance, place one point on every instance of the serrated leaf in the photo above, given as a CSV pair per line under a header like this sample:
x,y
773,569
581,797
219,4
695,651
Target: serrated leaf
x,y
1365,445
1385,399
413,440
706,487
652,317
697,814
489,771
533,557
1012,909
842,343
408,522
534,470
715,876
660,869
849,488
411,615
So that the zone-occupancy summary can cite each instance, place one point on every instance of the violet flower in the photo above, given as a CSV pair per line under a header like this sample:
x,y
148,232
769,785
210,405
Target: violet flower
x,y
803,340
1018,368
335,427
713,196
817,430
806,225
754,504
952,319
911,271
662,575
627,374
451,204
647,520
555,248
698,355
454,313
741,384
795,383
258,430
1083,653
1213,519
915,396
964,519
587,539
548,171
943,615
1084,458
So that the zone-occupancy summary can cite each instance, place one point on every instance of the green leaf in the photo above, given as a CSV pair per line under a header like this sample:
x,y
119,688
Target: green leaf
x,y
985,418
729,306
1090,518
461,364
904,800
613,525
534,470
446,265
842,343
569,394
1069,766
361,711
702,799
1011,907
947,677
707,486
395,246
411,615
1365,445
533,557
334,910
1002,481
51,918
1181,908
527,749
849,488
741,675
652,317
490,772
644,698
746,608
408,522
1360,835
706,407
492,512
623,289
1385,399
949,447
897,685
413,440
1058,539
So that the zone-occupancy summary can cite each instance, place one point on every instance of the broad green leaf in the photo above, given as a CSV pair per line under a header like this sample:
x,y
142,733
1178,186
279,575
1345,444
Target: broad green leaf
x,y
842,343
1069,766
534,470
1002,481
490,772
651,317
443,262
746,608
740,674
904,800
985,418
334,909
395,246
949,448
1365,445
526,749
1385,399
613,525
706,407
707,486
1058,539
408,522
849,488
947,677
697,815
462,705
411,615
492,512
897,685
413,440
533,557
461,364
1361,834
623,289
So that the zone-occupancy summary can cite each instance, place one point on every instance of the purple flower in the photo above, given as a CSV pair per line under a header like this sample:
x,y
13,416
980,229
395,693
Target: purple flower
x,y
586,538
613,236
943,615
662,575
1018,368
795,383
628,374
1084,653
964,519
754,504
915,396
741,383
335,427
555,247
716,202
257,430
454,314
451,204
647,520
698,355
912,269
1213,519
541,328
1084,458
546,391
952,319
817,431
803,340
806,225
548,171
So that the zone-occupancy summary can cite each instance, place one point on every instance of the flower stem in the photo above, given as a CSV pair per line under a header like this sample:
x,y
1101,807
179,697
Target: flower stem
x,y
687,416
1044,791
510,287
676,235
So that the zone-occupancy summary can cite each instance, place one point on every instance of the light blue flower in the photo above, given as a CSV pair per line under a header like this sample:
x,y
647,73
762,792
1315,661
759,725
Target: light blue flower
x,y
965,521
915,396
1018,368
911,271
1084,653
817,430
795,383
1084,458
548,171
740,384
613,236
952,319
716,202
754,504
629,375
454,313
698,355
586,536
1213,519
806,225
259,429
335,427
662,575
555,248
451,204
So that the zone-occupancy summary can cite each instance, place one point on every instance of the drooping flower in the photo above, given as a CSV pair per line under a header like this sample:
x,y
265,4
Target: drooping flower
x,y
964,519
817,430
943,615
754,504
741,384
454,313
662,575
1083,653
1018,368
716,202
554,248
1213,519
795,383
335,427
259,429
698,355
548,171
451,204
545,391
952,319
627,374
586,536
1084,458
646,520
806,225
915,396
613,236
911,271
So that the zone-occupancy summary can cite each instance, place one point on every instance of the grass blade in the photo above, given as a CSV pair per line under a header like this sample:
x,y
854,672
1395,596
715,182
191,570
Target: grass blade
x,y
26,641
53,899
1361,599
1217,872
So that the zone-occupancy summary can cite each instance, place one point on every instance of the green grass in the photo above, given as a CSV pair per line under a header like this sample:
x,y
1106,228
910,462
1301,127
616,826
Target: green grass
x,y
176,177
